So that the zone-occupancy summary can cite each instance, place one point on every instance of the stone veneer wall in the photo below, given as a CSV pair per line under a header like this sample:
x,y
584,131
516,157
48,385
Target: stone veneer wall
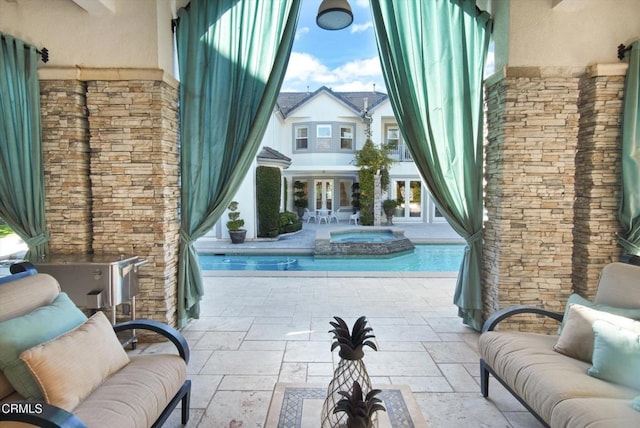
x,y
532,125
598,179
134,176
65,147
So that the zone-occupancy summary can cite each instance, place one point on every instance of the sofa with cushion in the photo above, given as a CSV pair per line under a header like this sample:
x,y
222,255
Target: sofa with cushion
x,y
62,369
586,376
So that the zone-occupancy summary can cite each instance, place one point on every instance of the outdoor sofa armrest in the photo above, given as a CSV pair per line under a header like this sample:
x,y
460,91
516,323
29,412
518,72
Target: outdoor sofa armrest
x,y
50,416
502,314
157,327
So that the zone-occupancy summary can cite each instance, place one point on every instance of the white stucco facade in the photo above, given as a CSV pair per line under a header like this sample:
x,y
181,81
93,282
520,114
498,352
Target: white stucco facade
x,y
325,162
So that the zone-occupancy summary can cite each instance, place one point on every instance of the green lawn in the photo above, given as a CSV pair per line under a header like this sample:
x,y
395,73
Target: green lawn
x,y
5,230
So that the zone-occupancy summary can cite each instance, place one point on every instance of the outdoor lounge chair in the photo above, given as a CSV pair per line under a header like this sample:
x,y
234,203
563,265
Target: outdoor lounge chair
x,y
354,217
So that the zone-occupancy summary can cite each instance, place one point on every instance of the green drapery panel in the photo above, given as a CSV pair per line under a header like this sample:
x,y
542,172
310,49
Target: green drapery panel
x,y
232,57
630,203
433,55
21,170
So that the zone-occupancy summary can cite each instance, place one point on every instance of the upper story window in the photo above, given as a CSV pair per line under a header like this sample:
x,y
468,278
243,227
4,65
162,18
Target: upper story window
x,y
346,137
323,131
324,137
393,137
302,137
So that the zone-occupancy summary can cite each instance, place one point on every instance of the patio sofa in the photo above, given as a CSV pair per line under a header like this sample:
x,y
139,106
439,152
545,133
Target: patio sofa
x,y
62,369
589,374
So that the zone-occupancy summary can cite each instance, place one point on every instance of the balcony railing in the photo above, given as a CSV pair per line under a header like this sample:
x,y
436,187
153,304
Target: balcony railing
x,y
400,154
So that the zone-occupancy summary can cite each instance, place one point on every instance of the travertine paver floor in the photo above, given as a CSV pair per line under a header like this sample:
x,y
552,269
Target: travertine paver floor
x,y
256,331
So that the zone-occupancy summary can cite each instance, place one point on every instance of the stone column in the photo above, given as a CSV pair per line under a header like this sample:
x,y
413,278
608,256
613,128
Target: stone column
x,y
598,182
65,149
532,138
134,176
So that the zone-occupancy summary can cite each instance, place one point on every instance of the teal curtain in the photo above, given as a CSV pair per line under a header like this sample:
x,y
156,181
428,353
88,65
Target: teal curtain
x,y
21,170
433,55
630,203
232,57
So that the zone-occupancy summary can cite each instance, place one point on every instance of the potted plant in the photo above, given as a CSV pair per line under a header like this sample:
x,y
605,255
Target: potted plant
x,y
235,223
300,198
388,205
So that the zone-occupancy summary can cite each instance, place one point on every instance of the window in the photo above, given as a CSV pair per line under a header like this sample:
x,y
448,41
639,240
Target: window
x,y
323,131
323,138
393,137
346,138
302,137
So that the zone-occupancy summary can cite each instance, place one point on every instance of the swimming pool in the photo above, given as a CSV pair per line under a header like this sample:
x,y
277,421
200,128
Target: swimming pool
x,y
425,258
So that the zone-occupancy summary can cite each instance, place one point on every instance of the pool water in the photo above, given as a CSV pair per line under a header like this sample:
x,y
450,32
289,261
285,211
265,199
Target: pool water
x,y
425,258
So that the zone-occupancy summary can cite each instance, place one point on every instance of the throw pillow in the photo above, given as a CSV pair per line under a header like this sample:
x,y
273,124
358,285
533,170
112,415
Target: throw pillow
x,y
579,300
576,339
64,378
616,354
21,333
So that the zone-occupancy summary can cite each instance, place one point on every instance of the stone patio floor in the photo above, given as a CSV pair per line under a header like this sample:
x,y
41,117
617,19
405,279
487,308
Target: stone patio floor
x,y
256,331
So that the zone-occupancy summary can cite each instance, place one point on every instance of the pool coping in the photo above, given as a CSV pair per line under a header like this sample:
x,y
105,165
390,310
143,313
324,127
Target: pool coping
x,y
328,274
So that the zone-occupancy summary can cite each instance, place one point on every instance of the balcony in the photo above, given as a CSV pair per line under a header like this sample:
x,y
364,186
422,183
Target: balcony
x,y
400,153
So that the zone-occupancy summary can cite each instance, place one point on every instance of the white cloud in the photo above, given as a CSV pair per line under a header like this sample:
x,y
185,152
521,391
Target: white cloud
x,y
359,28
362,3
360,67
358,86
301,32
305,70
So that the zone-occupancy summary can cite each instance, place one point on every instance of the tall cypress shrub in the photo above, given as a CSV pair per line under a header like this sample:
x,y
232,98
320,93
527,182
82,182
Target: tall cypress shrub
x,y
268,201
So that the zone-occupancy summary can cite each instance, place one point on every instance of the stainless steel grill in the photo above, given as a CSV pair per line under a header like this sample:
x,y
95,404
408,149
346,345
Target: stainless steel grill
x,y
96,281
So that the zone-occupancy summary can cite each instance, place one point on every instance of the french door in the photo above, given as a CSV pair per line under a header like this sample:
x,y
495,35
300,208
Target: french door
x,y
323,194
408,194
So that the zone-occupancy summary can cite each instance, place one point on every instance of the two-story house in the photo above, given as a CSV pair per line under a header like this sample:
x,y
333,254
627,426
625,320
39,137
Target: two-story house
x,y
316,135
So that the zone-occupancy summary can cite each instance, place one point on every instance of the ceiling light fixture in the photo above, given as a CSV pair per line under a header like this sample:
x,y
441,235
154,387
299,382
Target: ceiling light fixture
x,y
334,15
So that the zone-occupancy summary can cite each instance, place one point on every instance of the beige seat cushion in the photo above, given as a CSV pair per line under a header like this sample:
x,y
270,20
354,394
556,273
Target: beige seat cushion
x,y
21,297
541,376
69,367
136,395
576,339
26,294
595,413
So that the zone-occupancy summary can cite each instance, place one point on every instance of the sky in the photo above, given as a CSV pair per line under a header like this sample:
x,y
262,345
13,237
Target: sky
x,y
342,60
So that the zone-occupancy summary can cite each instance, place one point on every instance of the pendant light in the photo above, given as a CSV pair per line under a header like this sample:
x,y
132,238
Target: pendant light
x,y
334,15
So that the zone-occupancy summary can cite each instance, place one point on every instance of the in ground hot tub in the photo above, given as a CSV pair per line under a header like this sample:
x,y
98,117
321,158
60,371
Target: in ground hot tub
x,y
380,242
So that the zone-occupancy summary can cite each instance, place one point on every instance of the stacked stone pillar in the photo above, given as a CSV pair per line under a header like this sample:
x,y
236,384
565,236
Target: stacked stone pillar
x,y
552,192
598,182
530,169
65,148
111,174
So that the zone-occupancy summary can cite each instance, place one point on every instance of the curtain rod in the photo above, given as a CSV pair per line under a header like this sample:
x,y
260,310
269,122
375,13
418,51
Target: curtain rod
x,y
622,50
44,54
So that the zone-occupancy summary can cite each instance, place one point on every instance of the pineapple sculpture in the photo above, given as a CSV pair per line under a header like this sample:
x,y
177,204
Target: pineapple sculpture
x,y
359,412
350,369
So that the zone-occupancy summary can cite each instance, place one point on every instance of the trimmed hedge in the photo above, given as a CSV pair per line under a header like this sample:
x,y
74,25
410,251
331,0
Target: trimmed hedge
x,y
289,222
268,201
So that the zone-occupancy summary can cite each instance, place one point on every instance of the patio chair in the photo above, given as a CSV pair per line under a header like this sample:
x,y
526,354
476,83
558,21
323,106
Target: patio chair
x,y
355,218
333,215
309,215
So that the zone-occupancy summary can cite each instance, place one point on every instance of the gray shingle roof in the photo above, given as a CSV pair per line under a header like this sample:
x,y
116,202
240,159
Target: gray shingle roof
x,y
290,101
